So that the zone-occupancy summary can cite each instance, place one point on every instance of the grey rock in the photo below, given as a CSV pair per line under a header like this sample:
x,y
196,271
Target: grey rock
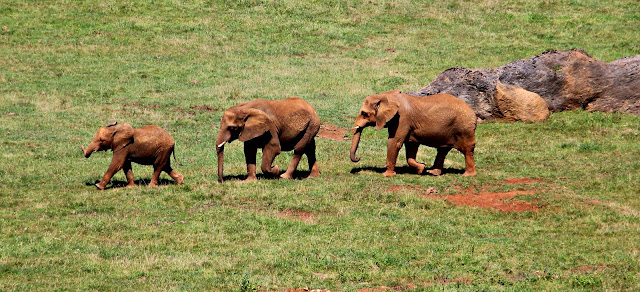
x,y
566,80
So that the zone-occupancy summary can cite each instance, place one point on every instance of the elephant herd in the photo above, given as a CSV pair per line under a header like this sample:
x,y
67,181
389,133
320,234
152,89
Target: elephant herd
x,y
441,121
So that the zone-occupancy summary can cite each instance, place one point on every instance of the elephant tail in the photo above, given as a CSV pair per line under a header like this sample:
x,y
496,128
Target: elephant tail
x,y
175,159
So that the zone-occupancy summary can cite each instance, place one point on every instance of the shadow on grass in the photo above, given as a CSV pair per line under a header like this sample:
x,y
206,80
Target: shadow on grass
x,y
115,184
297,175
404,170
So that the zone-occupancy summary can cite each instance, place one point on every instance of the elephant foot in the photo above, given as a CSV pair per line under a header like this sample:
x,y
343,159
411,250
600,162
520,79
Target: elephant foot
x,y
389,173
469,173
100,187
131,186
286,176
275,170
435,171
179,178
250,178
314,174
153,184
420,168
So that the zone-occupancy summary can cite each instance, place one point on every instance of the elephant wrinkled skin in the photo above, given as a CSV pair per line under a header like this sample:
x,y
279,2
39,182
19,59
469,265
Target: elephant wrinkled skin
x,y
149,145
273,126
441,121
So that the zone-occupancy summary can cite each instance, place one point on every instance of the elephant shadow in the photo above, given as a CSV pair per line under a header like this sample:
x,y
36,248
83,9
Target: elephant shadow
x,y
297,175
403,170
116,184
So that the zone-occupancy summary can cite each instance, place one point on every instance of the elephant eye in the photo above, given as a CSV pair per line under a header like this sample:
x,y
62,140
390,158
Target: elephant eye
x,y
364,114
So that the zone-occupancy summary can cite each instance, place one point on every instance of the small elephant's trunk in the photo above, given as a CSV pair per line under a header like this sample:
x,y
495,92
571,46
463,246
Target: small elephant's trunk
x,y
354,144
87,152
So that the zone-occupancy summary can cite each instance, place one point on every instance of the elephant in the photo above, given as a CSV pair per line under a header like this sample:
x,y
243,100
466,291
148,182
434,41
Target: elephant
x,y
149,145
441,121
274,126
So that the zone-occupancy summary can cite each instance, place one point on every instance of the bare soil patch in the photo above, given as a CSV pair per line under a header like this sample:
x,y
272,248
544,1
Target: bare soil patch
x,y
482,198
495,200
385,288
333,132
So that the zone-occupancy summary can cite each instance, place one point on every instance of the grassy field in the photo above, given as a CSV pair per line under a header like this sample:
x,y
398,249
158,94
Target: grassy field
x,y
69,67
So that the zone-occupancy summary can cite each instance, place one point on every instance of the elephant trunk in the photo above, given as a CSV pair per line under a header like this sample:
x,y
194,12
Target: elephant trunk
x,y
220,151
87,152
354,144
220,141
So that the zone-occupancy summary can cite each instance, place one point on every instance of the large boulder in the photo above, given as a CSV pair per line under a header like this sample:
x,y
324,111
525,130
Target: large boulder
x,y
518,104
566,80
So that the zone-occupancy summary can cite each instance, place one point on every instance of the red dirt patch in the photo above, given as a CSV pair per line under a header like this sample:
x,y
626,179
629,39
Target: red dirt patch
x,y
499,201
482,198
385,288
332,132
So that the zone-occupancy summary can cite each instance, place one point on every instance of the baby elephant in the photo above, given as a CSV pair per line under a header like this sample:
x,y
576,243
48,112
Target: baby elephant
x,y
149,145
274,126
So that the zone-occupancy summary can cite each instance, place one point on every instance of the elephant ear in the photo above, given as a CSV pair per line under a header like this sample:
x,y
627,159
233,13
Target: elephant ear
x,y
386,109
256,123
122,136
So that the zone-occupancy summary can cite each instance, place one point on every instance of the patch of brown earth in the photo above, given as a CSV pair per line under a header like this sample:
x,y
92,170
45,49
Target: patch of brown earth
x,y
503,201
385,288
305,290
499,201
333,132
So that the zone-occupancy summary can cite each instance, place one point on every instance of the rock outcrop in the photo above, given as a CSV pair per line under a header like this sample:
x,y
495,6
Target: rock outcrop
x,y
565,80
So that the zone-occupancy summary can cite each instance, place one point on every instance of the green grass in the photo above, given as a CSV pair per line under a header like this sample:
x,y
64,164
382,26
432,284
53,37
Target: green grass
x,y
68,67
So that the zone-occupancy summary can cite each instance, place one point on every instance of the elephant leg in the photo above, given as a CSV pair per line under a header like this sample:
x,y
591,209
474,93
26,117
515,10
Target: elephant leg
x,y
250,158
293,165
155,176
161,162
393,146
470,166
176,176
116,164
310,151
412,153
128,171
438,163
269,153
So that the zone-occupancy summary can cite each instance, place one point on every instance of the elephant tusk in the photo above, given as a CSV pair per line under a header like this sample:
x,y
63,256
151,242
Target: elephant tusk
x,y
356,127
222,144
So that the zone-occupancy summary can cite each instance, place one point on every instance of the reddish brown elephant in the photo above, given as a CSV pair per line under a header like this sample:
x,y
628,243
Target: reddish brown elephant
x,y
273,126
441,121
149,145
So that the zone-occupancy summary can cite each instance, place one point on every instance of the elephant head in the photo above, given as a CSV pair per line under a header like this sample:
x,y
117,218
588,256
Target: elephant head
x,y
243,124
115,136
378,110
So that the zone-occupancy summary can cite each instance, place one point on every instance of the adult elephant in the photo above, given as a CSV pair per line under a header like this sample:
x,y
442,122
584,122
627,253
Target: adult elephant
x,y
274,126
441,121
